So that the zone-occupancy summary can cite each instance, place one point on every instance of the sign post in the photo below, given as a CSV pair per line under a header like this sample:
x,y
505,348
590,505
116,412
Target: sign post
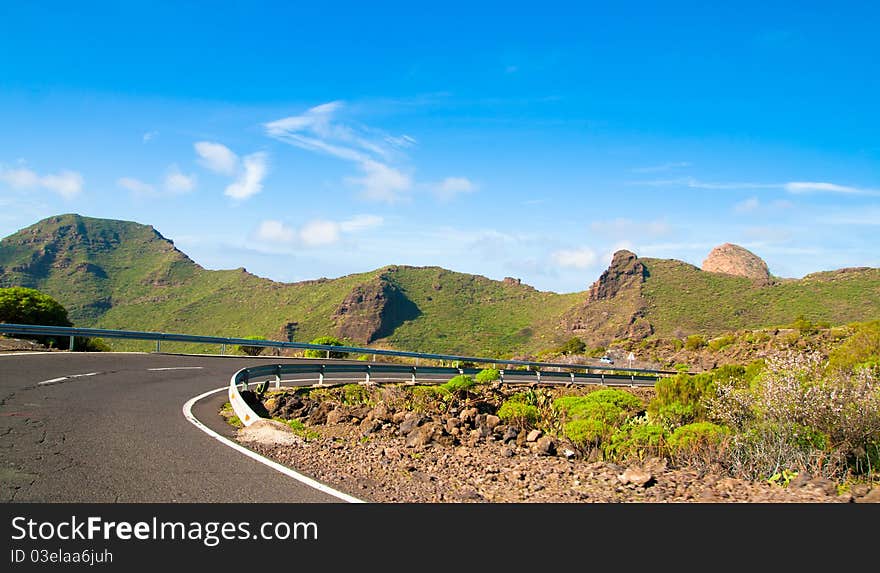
x,y
631,357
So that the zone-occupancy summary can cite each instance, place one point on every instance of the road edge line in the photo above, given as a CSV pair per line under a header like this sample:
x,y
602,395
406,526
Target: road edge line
x,y
187,413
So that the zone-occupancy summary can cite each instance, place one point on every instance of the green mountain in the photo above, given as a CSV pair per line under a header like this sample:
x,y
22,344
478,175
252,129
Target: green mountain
x,y
118,274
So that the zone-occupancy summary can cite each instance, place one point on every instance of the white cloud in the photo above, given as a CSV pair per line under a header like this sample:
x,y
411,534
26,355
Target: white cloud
x,y
794,187
66,183
453,186
149,136
575,258
177,182
748,206
250,180
381,182
135,186
360,223
798,187
318,130
275,231
217,157
319,232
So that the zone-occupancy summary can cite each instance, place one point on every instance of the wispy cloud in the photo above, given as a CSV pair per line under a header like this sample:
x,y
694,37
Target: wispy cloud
x,y
318,130
177,182
250,178
249,171
581,258
754,205
173,183
451,187
793,187
314,233
216,157
798,187
750,205
663,167
68,184
136,186
149,136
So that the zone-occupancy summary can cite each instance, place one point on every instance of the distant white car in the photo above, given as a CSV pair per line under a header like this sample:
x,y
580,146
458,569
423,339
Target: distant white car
x,y
606,360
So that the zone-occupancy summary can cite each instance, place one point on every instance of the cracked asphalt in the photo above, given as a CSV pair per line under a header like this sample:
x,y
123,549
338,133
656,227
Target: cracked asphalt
x,y
120,435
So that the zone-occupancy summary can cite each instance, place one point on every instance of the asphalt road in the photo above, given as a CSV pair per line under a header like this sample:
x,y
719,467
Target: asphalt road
x,y
108,427
120,436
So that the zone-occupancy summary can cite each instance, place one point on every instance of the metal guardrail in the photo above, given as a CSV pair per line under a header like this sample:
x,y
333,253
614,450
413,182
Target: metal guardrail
x,y
64,331
263,374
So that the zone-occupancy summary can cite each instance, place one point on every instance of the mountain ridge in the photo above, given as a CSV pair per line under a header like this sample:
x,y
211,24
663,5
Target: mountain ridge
x,y
123,274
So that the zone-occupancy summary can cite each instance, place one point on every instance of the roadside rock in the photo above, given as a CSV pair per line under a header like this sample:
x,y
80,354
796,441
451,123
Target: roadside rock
x,y
545,446
533,436
636,476
270,433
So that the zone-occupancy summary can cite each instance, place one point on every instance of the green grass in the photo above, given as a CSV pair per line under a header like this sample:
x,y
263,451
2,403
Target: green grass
x,y
125,275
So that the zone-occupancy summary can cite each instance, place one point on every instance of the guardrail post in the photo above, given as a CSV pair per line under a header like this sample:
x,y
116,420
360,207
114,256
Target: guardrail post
x,y
603,378
158,345
368,374
328,355
632,378
572,377
222,349
538,373
461,370
71,343
413,374
278,377
501,375
321,376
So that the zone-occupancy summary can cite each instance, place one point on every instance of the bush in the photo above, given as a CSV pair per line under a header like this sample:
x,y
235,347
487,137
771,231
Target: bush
x,y
587,432
20,305
251,350
860,348
356,394
638,441
611,405
325,341
694,342
518,414
488,375
679,399
460,384
429,398
572,346
721,342
695,437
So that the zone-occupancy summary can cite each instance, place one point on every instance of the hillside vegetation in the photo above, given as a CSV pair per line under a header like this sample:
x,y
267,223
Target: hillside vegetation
x,y
119,274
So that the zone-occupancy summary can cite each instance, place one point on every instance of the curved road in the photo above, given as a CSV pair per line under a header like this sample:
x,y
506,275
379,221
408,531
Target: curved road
x,y
119,435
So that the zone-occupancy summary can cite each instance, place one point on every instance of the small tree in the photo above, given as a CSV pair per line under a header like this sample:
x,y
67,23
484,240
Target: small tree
x,y
325,341
20,305
573,346
249,349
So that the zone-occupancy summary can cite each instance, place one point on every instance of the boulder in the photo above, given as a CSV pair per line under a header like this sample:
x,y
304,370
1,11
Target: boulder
x,y
636,476
545,446
533,436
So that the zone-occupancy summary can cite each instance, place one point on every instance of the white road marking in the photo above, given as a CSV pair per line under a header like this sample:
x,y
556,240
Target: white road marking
x,y
176,368
63,378
187,413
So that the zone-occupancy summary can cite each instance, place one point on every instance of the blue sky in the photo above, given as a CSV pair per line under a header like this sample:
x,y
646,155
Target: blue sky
x,y
503,139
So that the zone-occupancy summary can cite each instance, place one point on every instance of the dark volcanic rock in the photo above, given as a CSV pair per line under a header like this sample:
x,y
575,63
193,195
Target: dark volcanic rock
x,y
373,310
625,270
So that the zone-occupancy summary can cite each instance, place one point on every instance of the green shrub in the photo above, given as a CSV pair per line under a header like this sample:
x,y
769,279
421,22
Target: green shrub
x,y
721,342
679,399
862,347
460,384
251,350
587,432
609,405
697,436
356,394
518,414
694,342
635,440
682,367
429,398
803,325
572,346
325,341
488,375
20,305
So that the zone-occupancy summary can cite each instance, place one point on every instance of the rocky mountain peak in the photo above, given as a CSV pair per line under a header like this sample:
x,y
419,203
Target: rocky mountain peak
x,y
625,270
734,260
